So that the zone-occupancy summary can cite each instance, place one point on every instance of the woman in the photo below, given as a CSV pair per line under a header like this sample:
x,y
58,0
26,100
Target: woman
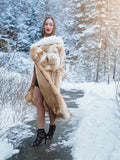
x,y
49,53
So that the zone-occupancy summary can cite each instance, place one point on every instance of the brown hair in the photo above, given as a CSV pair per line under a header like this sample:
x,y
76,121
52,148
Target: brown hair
x,y
43,28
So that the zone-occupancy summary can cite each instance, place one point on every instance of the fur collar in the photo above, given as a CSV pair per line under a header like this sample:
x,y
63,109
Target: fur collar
x,y
48,40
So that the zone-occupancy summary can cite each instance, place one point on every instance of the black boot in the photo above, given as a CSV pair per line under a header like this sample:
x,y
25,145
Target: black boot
x,y
51,132
40,136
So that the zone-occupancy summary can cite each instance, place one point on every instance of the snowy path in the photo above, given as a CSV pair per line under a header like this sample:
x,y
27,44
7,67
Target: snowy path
x,y
97,136
93,133
54,149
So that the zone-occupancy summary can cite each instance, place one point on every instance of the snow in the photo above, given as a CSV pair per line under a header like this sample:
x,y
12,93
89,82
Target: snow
x,y
97,134
6,150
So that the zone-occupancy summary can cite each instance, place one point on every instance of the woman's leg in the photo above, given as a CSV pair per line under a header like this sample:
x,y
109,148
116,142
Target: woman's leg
x,y
52,126
51,116
38,101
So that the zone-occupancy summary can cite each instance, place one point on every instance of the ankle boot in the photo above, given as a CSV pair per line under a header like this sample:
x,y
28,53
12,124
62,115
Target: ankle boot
x,y
40,136
51,132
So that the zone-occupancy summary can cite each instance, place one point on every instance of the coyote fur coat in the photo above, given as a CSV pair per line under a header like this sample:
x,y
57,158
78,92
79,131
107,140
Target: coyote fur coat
x,y
48,55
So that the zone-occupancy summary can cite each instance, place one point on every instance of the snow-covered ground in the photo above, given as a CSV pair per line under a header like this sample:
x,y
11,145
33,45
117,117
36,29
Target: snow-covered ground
x,y
6,150
97,134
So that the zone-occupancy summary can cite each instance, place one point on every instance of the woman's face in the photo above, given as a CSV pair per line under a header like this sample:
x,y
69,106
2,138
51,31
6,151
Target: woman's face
x,y
49,26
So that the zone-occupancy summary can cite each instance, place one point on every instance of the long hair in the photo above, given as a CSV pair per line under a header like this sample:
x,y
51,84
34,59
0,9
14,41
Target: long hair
x,y
43,28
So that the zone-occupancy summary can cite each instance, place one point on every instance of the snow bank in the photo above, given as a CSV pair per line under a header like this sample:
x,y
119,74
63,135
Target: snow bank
x,y
6,150
98,133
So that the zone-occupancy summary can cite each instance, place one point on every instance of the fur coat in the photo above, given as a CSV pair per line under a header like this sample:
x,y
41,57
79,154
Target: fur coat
x,y
48,55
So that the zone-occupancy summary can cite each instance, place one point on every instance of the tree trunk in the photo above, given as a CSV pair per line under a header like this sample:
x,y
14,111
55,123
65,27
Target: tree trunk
x,y
114,69
98,66
108,68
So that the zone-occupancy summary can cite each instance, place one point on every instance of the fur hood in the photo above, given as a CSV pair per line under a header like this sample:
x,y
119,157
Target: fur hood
x,y
48,40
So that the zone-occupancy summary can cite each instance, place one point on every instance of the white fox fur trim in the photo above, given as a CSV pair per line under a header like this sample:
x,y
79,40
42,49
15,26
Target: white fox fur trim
x,y
48,40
